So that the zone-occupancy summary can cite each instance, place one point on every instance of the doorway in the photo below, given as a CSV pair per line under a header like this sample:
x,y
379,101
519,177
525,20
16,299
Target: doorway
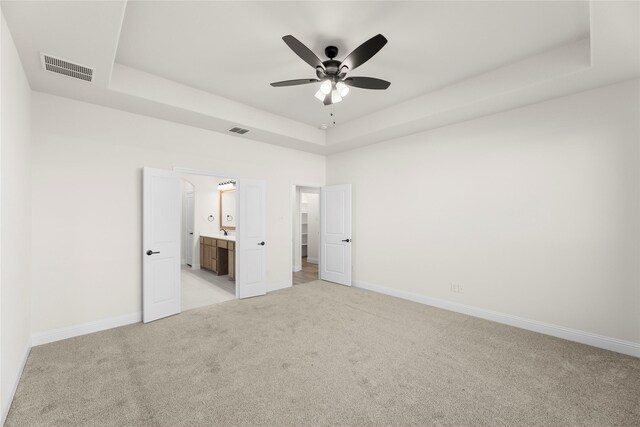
x,y
306,234
162,239
206,273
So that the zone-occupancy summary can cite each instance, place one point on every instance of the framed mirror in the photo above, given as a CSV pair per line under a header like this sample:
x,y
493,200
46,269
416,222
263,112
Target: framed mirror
x,y
228,209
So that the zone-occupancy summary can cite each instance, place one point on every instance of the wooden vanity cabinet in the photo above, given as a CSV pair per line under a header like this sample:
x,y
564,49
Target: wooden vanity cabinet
x,y
232,260
218,255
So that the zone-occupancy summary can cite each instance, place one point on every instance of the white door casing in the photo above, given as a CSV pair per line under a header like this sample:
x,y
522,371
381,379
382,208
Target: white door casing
x,y
189,212
251,262
335,234
161,220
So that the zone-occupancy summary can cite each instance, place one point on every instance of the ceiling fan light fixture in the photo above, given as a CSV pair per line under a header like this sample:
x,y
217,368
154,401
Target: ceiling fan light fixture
x,y
325,87
320,95
342,89
335,97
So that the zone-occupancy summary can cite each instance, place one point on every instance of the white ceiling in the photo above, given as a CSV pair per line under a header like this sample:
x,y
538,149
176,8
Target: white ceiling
x,y
209,64
235,49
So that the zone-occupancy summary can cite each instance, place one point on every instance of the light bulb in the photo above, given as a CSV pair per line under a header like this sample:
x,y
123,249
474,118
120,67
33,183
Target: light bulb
x,y
325,87
335,97
320,95
342,88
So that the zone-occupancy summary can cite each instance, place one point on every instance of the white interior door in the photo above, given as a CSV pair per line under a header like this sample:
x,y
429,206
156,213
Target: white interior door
x,y
161,220
251,234
335,234
189,222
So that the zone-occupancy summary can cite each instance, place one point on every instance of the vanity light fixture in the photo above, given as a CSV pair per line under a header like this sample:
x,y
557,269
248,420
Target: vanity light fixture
x,y
227,185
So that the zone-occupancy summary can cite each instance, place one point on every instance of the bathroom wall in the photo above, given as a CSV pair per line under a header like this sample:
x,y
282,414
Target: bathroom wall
x,y
206,203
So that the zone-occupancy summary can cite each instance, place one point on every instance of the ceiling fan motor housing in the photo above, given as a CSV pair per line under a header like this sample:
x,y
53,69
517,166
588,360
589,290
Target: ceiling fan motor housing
x,y
332,67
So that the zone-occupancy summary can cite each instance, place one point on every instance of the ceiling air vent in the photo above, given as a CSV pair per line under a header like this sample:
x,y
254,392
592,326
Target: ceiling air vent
x,y
238,130
61,66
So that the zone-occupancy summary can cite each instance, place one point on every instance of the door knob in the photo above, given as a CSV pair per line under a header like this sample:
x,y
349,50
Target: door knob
x,y
261,243
150,252
347,240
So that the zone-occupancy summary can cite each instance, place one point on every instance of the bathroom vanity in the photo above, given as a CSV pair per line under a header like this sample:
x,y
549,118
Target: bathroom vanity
x,y
218,254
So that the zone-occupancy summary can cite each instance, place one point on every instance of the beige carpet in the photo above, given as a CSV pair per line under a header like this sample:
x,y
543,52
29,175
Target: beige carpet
x,y
322,354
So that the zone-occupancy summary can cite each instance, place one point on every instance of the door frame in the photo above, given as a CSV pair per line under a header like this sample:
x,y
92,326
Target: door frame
x,y
190,171
292,199
185,231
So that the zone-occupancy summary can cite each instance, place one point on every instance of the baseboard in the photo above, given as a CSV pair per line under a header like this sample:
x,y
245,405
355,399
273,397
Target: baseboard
x,y
6,401
297,268
85,328
280,285
312,260
600,341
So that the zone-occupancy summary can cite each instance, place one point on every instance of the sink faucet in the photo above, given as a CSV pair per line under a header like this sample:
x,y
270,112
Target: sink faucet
x,y
224,231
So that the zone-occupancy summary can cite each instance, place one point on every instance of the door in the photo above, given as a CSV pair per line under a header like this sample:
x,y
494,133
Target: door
x,y
335,234
161,244
189,230
251,259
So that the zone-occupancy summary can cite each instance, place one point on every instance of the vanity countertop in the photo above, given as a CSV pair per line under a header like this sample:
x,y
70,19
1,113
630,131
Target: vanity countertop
x,y
220,236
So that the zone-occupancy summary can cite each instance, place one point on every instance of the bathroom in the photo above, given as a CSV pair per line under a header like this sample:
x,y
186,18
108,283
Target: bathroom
x,y
208,231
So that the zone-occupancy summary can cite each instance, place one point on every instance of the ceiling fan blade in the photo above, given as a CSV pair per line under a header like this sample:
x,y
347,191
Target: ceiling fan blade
x,y
303,52
294,82
367,83
364,52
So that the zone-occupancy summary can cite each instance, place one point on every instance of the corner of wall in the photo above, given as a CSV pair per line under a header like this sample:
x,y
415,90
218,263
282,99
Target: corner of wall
x,y
15,218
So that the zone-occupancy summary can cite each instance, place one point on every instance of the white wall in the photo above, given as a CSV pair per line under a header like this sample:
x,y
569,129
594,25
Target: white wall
x,y
15,224
87,201
535,212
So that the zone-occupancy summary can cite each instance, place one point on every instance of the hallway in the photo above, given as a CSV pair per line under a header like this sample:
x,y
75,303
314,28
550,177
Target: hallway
x,y
309,273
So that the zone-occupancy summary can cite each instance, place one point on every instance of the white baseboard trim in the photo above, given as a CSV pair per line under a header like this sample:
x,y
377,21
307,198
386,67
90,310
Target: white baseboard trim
x,y
620,346
297,268
85,328
280,285
6,401
312,260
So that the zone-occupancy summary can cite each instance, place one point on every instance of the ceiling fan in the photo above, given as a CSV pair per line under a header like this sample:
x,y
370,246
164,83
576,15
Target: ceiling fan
x,y
332,73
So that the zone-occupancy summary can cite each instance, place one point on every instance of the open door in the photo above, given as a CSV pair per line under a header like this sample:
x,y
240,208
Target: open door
x,y
335,234
251,271
160,244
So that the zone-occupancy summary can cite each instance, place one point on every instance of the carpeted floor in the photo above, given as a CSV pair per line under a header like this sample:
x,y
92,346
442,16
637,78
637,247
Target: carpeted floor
x,y
319,354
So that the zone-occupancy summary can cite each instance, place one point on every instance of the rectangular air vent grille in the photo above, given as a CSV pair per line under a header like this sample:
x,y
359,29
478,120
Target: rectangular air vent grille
x,y
238,130
67,68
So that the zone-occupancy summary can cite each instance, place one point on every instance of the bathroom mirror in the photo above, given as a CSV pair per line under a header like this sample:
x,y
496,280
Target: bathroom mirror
x,y
228,210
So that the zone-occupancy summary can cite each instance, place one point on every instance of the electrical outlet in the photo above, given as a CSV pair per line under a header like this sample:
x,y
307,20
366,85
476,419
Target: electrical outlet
x,y
455,287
